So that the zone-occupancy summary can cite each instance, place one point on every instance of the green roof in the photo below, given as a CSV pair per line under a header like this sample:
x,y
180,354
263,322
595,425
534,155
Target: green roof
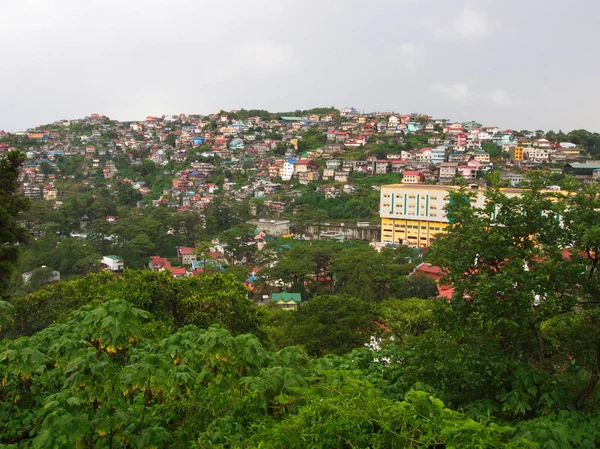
x,y
113,257
287,297
291,119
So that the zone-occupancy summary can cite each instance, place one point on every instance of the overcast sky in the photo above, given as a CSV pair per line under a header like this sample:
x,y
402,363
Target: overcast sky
x,y
522,64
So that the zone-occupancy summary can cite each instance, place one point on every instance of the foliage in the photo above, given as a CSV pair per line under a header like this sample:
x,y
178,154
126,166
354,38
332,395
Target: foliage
x,y
524,273
175,302
11,234
333,324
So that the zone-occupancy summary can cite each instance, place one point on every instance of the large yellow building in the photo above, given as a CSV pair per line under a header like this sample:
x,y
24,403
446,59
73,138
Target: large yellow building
x,y
413,214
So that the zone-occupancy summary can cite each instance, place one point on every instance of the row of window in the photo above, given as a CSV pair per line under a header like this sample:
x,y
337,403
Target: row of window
x,y
423,228
412,197
431,207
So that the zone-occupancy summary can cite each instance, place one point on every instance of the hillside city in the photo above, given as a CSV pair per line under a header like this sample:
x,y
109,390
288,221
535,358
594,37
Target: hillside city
x,y
308,174
319,278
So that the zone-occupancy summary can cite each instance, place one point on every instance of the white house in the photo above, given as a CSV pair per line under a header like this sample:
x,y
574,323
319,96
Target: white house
x,y
113,263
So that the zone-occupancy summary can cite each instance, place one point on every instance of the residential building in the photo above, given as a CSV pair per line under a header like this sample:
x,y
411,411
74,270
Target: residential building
x,y
186,255
288,301
382,166
113,263
516,152
288,169
438,155
412,177
447,172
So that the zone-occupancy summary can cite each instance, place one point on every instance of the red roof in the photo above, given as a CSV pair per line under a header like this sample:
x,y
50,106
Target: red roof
x,y
186,250
160,262
214,254
177,271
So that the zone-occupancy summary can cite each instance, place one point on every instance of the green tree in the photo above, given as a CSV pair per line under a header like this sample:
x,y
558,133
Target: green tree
x,y
333,324
171,139
127,195
11,233
240,242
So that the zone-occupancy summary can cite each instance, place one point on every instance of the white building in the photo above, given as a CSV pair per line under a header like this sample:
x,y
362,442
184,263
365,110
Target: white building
x,y
288,169
113,263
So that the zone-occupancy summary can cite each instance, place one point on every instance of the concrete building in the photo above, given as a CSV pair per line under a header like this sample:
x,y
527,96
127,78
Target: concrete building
x,y
414,214
276,228
113,263
288,169
186,255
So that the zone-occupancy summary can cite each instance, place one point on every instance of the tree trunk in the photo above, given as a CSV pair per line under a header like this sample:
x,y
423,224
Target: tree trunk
x,y
591,386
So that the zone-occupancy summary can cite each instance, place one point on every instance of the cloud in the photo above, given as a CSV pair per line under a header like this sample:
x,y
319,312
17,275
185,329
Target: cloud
x,y
501,98
468,24
262,57
471,24
462,94
412,55
458,93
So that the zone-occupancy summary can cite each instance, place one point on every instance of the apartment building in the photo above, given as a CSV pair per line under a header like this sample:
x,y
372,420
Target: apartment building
x,y
413,214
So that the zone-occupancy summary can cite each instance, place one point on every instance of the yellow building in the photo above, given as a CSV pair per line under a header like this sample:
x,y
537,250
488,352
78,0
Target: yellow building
x,y
413,214
517,153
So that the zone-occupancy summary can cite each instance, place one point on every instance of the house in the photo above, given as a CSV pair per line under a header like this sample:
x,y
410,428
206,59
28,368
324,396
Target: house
x,y
49,193
341,136
447,172
112,263
438,155
288,301
435,273
542,143
308,177
382,166
453,128
158,263
429,127
423,155
341,176
412,177
44,276
481,156
514,179
347,111
186,255
398,165
178,272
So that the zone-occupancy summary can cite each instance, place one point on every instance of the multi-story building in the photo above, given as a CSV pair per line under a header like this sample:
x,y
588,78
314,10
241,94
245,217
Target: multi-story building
x,y
288,169
516,153
438,155
414,214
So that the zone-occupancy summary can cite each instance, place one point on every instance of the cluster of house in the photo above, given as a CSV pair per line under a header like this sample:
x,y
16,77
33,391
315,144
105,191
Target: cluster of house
x,y
270,155
247,145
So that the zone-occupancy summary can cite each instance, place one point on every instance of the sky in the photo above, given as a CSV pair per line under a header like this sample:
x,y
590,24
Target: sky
x,y
526,64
